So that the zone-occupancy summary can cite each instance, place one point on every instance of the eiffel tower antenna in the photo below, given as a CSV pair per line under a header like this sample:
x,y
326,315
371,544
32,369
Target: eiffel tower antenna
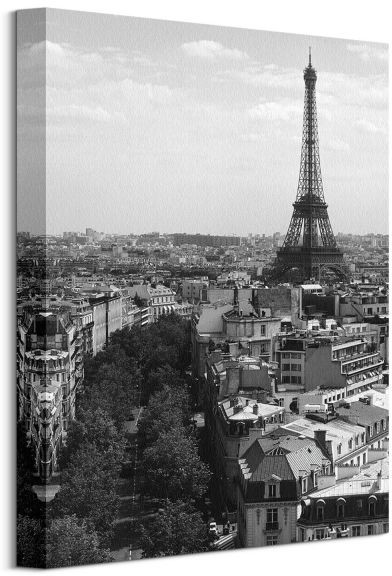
x,y
310,243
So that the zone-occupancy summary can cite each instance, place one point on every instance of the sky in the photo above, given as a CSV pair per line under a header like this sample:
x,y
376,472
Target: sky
x,y
139,125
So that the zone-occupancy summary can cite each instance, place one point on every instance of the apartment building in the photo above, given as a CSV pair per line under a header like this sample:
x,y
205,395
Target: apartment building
x,y
49,371
273,475
356,507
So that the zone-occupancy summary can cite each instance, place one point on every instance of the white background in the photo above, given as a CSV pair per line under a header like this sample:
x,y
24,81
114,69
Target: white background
x,y
359,20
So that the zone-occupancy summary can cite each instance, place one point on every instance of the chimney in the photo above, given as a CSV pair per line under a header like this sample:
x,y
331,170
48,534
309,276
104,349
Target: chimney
x,y
320,437
324,444
255,408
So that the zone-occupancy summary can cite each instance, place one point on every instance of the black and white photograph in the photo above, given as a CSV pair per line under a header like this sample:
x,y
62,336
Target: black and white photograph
x,y
202,289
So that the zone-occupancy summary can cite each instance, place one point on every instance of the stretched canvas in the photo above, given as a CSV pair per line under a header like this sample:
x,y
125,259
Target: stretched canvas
x,y
202,288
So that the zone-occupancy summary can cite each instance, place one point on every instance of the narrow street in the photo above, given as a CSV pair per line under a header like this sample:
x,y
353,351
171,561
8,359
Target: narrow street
x,y
126,526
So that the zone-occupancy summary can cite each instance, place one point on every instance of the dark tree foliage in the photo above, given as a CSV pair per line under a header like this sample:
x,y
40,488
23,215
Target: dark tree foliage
x,y
24,465
179,529
69,542
164,377
30,543
93,427
166,410
66,541
173,469
88,489
113,390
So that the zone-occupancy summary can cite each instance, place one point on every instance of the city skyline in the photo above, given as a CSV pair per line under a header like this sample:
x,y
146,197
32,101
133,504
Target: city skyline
x,y
83,229
213,117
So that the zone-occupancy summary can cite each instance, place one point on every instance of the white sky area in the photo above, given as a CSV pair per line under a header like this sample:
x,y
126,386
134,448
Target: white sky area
x,y
154,125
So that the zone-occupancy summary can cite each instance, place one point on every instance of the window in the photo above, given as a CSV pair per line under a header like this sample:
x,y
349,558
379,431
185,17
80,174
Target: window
x,y
296,367
286,367
350,444
272,515
355,530
258,512
315,479
340,509
272,540
372,507
339,448
385,527
272,491
364,458
320,534
363,437
320,512
304,485
370,530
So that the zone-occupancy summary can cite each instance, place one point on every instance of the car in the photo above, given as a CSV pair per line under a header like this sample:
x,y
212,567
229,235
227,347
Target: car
x,y
213,530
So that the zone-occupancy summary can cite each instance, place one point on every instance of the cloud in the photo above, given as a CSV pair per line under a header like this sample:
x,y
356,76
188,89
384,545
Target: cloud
x,y
86,85
269,76
80,112
283,110
210,50
371,127
338,145
367,52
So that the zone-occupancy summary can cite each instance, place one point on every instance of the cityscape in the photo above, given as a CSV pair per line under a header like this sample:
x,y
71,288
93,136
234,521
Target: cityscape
x,y
182,392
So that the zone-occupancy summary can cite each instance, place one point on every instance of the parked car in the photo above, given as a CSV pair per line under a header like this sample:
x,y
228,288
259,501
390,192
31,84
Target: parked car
x,y
213,530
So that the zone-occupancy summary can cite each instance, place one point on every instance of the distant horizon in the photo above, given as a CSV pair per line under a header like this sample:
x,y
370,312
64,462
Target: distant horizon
x,y
162,232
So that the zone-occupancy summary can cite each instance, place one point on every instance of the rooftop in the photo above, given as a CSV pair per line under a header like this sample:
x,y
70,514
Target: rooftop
x,y
364,414
243,409
336,429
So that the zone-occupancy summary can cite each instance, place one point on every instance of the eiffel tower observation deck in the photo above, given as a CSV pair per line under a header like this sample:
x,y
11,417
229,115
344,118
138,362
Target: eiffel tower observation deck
x,y
309,250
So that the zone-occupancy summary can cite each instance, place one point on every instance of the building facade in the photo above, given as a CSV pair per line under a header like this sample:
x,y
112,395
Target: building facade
x,y
49,371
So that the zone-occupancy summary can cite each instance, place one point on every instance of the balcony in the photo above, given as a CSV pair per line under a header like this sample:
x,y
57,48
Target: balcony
x,y
357,366
272,527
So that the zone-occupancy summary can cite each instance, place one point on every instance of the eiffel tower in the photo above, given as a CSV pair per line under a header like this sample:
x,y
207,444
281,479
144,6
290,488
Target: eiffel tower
x,y
310,247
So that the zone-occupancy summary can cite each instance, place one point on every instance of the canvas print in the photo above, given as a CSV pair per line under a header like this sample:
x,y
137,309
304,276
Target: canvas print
x,y
202,289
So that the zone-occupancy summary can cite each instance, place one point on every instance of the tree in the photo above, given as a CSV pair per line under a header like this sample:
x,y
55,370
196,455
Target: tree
x,y
93,427
88,489
163,377
112,390
179,529
30,543
166,410
173,469
69,542
138,301
27,503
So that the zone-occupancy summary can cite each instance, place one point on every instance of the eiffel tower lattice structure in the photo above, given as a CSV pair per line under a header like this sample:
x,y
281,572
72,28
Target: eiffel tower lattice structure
x,y
310,246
